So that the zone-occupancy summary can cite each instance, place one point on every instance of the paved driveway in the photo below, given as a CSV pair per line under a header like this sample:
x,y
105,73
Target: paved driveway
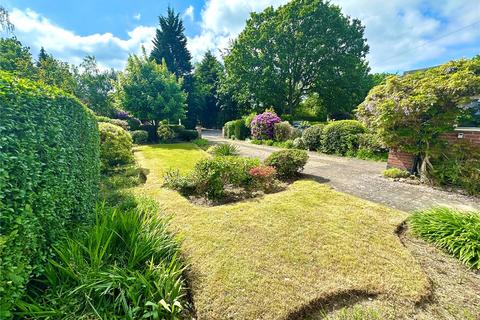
x,y
361,178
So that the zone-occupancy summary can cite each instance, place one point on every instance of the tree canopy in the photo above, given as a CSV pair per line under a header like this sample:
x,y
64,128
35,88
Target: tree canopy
x,y
54,72
149,91
302,47
16,58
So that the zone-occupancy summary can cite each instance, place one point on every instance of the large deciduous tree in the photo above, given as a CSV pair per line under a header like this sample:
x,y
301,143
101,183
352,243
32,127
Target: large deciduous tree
x,y
207,77
411,112
150,92
54,72
303,47
16,58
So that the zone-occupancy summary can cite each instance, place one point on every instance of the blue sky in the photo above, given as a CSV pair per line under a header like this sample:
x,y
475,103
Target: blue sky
x,y
402,34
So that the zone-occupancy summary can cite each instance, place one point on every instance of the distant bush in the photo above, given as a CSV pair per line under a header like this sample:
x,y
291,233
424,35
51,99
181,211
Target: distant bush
x,y
299,143
224,149
139,136
118,122
115,146
187,135
201,143
370,147
240,130
283,131
288,163
229,129
396,173
152,131
263,125
49,174
341,137
456,232
134,124
165,133
312,137
248,119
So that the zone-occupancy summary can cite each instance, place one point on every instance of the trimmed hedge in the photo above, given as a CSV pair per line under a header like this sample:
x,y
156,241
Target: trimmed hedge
x,y
187,135
49,174
235,129
139,136
341,137
312,137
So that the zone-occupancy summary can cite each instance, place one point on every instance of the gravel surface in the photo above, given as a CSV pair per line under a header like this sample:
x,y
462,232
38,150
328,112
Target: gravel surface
x,y
361,178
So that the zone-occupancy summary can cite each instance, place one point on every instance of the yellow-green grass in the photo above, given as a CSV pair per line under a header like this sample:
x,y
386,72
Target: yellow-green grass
x,y
272,257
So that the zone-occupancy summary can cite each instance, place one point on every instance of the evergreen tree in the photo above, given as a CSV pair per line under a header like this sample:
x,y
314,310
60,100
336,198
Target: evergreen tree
x,y
42,56
170,44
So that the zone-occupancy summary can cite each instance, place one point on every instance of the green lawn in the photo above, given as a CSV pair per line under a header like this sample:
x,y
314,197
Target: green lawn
x,y
280,255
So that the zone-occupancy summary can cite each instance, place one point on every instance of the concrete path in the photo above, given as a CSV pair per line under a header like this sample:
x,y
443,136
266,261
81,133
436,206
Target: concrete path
x,y
361,178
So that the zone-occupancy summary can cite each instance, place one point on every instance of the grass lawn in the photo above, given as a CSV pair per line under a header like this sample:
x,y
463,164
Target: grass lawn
x,y
287,253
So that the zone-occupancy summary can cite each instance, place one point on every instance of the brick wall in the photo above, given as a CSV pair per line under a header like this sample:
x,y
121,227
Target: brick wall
x,y
404,160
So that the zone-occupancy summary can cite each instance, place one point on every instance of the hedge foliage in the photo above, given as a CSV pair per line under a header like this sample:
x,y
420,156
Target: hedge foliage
x,y
139,136
288,163
49,174
341,137
236,129
312,137
115,146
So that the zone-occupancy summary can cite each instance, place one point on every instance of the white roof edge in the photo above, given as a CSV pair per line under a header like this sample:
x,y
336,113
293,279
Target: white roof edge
x,y
474,129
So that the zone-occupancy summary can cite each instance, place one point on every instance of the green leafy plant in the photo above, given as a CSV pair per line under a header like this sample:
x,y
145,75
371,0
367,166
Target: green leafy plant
x,y
224,149
49,174
396,173
341,137
283,131
165,133
201,143
264,177
139,136
288,163
115,146
299,143
456,232
312,137
187,135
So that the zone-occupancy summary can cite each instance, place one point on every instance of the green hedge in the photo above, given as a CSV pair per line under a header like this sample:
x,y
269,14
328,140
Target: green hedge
x,y
236,129
341,137
49,173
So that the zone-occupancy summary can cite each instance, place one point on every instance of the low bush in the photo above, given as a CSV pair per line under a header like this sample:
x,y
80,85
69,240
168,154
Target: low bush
x,y
263,126
224,149
187,135
165,133
458,165
240,130
283,131
152,131
299,143
456,232
288,163
370,147
201,143
248,119
264,177
125,266
134,124
115,146
139,136
396,173
49,174
342,137
118,122
312,137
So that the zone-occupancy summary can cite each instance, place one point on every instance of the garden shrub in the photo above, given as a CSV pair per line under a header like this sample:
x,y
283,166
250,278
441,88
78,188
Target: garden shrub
x,y
139,136
263,125
341,137
229,129
152,131
201,143
299,143
288,163
370,147
165,133
187,135
396,173
224,149
125,266
134,124
312,137
264,177
240,130
118,122
49,174
115,146
458,165
248,119
456,232
283,131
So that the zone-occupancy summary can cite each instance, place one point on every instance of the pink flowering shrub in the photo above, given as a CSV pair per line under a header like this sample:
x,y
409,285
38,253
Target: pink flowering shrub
x,y
264,177
263,125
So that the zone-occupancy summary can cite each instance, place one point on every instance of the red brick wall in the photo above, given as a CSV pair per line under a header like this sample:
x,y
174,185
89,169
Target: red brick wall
x,y
404,160
401,160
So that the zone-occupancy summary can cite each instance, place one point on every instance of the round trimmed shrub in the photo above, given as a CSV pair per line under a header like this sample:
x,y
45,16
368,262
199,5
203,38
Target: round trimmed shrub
x,y
263,126
139,136
165,133
283,131
312,137
298,143
49,175
134,124
288,163
187,135
341,137
115,146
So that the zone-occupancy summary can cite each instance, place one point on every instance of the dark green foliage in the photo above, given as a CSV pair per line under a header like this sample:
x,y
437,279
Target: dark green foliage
x,y
458,165
165,133
187,135
224,149
312,137
283,131
139,136
456,232
124,267
115,146
370,147
288,163
134,123
236,129
201,143
341,137
151,130
49,173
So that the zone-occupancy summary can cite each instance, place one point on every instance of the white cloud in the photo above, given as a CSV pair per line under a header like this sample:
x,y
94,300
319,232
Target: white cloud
x,y
36,31
398,31
137,17
188,13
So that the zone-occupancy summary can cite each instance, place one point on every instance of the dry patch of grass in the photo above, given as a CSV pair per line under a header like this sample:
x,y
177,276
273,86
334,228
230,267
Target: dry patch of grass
x,y
286,253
